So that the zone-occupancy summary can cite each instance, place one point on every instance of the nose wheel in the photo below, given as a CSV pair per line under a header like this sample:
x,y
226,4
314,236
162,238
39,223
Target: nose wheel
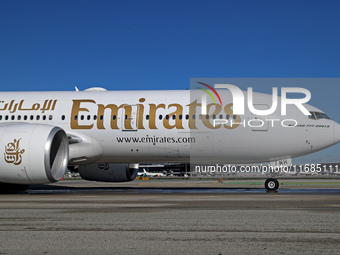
x,y
271,184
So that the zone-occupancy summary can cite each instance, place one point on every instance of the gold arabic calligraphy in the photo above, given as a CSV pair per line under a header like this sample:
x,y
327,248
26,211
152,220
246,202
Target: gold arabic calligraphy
x,y
13,154
13,107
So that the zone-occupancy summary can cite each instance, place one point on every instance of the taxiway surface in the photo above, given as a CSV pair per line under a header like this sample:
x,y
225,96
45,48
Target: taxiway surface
x,y
150,217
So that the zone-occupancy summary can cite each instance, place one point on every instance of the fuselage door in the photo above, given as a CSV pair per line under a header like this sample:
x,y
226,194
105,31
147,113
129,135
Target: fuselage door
x,y
130,118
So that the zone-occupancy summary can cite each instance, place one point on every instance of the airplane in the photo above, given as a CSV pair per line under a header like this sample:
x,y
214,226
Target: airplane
x,y
107,134
148,174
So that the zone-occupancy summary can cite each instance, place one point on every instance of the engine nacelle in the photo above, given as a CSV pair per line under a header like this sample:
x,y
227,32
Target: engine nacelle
x,y
104,172
32,153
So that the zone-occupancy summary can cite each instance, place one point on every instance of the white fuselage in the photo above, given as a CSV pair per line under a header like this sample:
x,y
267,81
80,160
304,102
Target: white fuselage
x,y
139,126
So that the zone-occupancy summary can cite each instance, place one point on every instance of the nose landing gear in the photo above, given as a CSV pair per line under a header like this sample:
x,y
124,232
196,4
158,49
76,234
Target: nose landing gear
x,y
271,184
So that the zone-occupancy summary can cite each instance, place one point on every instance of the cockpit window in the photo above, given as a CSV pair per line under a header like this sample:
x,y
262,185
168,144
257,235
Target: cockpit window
x,y
312,116
318,116
325,116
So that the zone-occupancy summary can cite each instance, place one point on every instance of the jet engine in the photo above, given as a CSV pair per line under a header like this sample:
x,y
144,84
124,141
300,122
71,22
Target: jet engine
x,y
32,153
105,172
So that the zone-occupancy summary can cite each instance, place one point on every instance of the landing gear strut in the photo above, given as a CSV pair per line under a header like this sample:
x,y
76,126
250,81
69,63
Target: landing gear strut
x,y
271,184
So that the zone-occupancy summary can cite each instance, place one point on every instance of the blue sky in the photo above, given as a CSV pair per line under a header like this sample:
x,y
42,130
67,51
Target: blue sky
x,y
56,45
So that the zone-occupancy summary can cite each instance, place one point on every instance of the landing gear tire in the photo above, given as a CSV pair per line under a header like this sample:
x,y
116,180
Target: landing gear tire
x,y
271,184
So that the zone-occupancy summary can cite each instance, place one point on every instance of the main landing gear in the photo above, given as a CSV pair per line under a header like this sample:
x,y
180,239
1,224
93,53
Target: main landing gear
x,y
271,184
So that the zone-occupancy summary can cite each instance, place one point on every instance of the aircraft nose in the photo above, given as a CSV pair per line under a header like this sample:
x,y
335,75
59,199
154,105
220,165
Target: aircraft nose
x,y
336,132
